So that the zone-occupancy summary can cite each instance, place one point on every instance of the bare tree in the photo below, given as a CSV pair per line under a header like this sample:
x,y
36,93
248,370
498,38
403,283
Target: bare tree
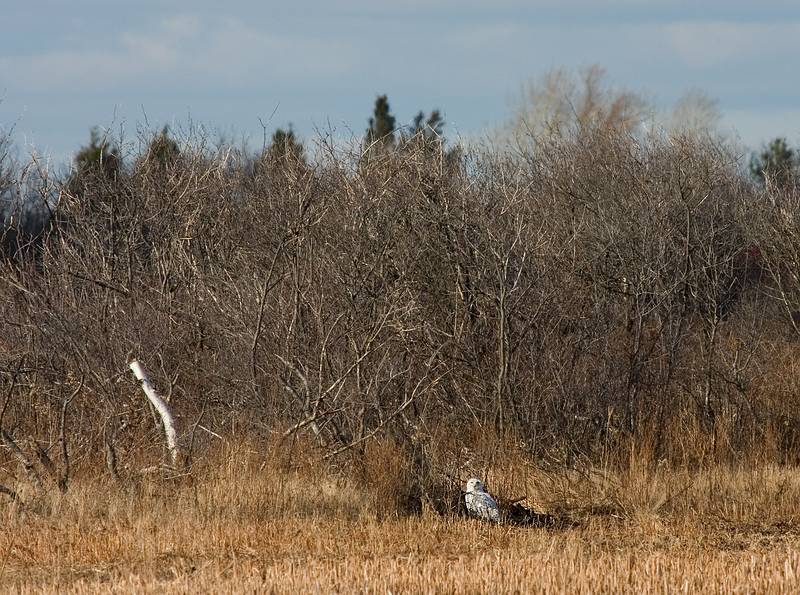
x,y
596,287
695,112
563,103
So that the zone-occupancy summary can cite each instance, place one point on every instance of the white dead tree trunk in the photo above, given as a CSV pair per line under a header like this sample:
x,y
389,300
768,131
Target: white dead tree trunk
x,y
161,407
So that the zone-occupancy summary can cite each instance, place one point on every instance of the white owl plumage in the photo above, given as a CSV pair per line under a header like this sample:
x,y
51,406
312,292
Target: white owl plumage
x,y
480,503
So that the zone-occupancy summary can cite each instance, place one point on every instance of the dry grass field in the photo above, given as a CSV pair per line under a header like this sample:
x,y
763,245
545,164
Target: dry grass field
x,y
245,526
602,325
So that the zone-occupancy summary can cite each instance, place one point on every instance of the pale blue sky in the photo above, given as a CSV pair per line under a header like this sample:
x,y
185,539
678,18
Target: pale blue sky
x,y
66,66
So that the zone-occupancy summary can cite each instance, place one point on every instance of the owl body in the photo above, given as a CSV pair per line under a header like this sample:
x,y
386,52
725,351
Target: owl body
x,y
480,504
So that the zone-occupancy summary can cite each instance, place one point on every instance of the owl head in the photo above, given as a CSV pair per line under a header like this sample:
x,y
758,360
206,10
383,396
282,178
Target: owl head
x,y
475,486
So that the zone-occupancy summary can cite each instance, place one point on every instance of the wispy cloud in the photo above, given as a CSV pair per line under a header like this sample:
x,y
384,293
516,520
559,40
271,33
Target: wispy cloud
x,y
226,64
703,44
184,49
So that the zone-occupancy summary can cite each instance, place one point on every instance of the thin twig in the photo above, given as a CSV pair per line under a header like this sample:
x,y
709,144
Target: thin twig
x,y
190,450
10,390
62,438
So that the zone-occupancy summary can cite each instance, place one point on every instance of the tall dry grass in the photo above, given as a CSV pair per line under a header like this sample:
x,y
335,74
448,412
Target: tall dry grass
x,y
250,523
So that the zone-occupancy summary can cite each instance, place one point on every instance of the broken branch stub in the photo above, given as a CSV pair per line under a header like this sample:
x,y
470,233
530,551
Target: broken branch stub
x,y
161,406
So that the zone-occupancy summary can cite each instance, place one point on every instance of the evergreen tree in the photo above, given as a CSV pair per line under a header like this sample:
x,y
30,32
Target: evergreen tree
x,y
163,151
381,124
432,128
97,158
776,162
429,130
285,147
95,166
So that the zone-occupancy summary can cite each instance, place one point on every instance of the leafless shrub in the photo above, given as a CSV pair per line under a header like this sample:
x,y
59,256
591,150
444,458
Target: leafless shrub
x,y
592,292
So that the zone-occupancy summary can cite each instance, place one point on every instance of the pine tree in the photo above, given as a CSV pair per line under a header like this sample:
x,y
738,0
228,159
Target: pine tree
x,y
95,166
430,131
163,151
285,146
97,158
381,124
432,128
777,163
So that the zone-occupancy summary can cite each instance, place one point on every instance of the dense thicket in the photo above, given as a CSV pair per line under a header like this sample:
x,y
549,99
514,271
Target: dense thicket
x,y
587,292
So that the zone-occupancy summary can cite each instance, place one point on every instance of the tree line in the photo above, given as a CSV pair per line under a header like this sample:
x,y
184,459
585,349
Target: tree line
x,y
587,289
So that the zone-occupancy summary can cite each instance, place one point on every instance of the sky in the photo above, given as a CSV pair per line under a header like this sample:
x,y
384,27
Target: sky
x,y
319,64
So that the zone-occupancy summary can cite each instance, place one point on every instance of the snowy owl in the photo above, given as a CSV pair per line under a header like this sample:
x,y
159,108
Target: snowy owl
x,y
480,503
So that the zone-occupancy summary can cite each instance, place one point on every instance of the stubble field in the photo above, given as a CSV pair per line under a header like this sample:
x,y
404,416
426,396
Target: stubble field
x,y
247,527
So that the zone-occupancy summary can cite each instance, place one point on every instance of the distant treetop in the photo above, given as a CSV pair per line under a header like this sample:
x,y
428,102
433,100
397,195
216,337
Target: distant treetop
x,y
285,146
776,164
97,157
382,124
